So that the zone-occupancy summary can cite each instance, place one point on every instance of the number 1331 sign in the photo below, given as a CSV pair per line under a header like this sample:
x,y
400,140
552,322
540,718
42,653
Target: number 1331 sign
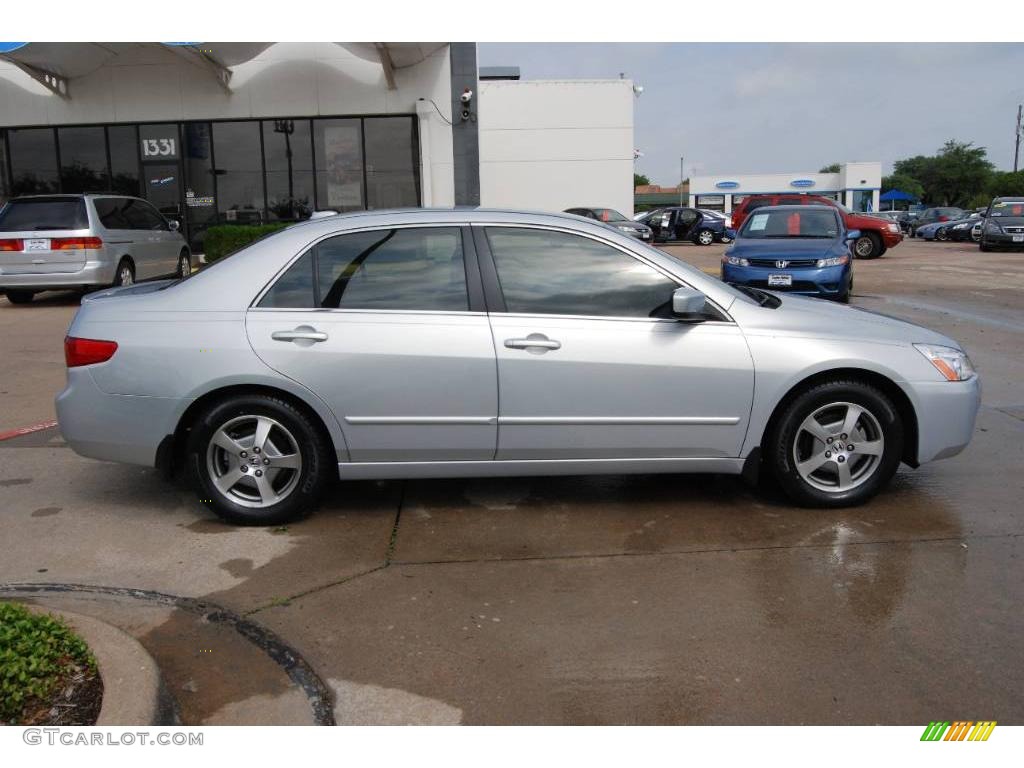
x,y
159,148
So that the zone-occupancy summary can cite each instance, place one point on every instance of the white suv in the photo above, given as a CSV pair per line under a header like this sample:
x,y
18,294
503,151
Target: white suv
x,y
61,242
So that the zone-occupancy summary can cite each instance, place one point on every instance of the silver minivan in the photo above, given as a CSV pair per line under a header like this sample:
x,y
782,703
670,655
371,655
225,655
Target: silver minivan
x,y
62,242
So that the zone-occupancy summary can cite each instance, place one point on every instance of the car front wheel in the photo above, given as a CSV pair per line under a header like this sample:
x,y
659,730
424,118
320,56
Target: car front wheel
x,y
258,460
836,444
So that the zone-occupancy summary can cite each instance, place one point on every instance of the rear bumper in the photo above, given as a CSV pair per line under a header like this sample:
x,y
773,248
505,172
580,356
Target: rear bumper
x,y
945,416
93,273
125,428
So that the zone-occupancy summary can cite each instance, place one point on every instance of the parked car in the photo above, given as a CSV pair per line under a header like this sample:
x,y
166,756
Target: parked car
x,y
374,345
962,229
795,248
615,220
934,216
60,242
676,225
876,235
976,230
1004,224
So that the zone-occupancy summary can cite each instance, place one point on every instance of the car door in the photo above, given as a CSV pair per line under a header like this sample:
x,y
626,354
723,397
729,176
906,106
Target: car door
x,y
590,363
685,220
388,327
147,250
167,243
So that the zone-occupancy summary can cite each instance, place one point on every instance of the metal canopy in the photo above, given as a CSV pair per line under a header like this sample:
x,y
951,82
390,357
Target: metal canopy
x,y
393,56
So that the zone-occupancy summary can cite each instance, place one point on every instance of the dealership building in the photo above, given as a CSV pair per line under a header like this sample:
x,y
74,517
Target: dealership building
x,y
856,185
251,133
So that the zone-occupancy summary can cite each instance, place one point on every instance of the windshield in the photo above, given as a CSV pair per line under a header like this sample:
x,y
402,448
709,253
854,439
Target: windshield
x,y
791,223
607,214
1007,208
38,214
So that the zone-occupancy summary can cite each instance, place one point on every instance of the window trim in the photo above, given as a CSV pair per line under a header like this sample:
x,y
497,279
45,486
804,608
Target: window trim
x,y
496,299
474,288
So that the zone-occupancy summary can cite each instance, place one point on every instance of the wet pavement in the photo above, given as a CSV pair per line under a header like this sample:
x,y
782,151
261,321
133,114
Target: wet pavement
x,y
616,599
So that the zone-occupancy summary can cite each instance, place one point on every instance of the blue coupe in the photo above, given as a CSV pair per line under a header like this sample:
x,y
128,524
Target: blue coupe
x,y
802,249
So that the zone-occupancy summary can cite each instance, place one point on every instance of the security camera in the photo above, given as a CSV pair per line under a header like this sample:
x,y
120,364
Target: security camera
x,y
467,96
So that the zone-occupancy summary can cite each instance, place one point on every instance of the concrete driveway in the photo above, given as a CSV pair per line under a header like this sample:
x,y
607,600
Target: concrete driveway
x,y
618,599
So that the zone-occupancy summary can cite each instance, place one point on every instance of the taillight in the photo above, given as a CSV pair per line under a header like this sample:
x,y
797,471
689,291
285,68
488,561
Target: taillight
x,y
11,245
76,244
87,351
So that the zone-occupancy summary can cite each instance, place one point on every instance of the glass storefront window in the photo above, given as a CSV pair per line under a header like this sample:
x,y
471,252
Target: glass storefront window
x,y
862,200
200,204
390,163
288,156
239,171
124,159
339,164
33,161
83,160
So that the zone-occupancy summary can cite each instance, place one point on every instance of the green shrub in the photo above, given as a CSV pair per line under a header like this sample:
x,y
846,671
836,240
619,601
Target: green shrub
x,y
223,239
36,650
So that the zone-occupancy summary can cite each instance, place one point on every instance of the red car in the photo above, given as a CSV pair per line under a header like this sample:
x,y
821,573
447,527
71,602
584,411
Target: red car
x,y
877,234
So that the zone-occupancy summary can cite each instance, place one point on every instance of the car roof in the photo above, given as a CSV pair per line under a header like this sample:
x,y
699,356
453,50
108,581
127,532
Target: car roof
x,y
790,207
73,196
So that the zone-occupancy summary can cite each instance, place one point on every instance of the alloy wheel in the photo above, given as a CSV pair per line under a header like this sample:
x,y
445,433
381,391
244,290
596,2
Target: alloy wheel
x,y
838,447
125,277
254,461
184,266
863,247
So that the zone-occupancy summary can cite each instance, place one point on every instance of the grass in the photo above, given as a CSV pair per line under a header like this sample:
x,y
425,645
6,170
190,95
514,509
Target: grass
x,y
40,659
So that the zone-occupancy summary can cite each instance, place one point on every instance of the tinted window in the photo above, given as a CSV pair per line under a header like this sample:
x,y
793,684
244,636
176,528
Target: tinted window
x,y
111,212
141,215
4,194
239,171
791,223
33,161
83,160
124,159
391,160
20,215
556,273
758,204
288,151
410,269
294,289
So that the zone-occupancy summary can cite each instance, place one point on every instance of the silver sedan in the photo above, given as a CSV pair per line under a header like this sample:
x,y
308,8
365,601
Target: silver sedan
x,y
464,343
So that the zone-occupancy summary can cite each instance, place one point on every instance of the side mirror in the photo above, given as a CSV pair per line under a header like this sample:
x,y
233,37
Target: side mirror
x,y
688,305
173,225
852,235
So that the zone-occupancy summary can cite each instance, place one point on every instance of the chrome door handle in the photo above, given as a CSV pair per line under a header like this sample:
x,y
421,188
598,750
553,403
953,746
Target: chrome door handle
x,y
299,334
534,340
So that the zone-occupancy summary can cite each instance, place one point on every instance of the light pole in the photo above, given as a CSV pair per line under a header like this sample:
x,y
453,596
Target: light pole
x,y
682,172
287,127
1016,144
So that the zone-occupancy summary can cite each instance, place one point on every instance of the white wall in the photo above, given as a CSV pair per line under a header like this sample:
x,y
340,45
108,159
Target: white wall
x,y
553,144
147,83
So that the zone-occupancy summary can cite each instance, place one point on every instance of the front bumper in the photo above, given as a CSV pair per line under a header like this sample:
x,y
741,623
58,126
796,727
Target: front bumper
x,y
826,282
891,239
124,428
1003,239
93,273
945,416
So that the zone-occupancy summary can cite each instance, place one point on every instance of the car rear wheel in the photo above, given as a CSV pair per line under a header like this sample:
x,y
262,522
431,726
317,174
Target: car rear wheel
x,y
184,265
942,234
20,297
836,444
125,274
258,460
705,237
867,246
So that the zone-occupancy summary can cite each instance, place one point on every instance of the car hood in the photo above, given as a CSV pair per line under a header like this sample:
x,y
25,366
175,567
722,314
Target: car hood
x,y
630,224
816,318
807,248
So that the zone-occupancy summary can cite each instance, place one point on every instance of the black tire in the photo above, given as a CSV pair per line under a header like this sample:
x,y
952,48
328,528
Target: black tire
x,y
20,297
704,237
781,445
184,264
984,247
124,274
867,246
942,234
317,468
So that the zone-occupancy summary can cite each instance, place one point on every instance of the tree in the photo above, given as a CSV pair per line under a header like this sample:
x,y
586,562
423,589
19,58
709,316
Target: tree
x,y
640,180
833,168
954,176
904,183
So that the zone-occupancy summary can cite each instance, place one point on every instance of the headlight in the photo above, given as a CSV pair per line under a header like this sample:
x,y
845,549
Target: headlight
x,y
961,226
894,227
735,261
953,364
992,226
834,261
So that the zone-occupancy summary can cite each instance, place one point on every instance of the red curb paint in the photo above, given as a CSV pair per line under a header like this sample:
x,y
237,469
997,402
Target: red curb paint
x,y
27,430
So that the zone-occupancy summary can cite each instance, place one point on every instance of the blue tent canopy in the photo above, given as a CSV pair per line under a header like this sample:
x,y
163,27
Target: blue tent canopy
x,y
895,194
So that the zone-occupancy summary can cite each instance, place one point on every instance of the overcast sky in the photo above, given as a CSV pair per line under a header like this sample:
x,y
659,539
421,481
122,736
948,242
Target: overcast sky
x,y
759,108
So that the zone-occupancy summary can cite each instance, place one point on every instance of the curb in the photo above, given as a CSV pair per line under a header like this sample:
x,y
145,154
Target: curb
x,y
133,691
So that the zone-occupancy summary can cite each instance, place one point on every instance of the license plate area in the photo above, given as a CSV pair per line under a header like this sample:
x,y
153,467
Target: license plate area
x,y
1018,238
38,244
780,281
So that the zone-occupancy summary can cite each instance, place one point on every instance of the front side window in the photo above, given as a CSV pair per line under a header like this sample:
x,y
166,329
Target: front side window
x,y
415,269
556,273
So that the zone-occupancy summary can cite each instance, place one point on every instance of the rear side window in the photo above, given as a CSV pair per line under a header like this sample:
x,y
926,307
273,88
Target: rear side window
x,y
43,214
141,215
111,212
400,269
